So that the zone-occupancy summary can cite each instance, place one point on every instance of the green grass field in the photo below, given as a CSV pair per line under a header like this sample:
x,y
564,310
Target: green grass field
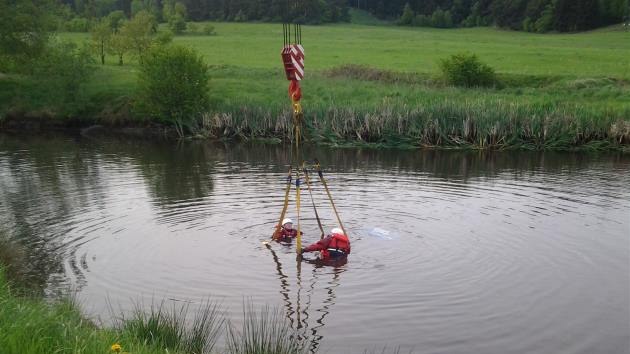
x,y
246,66
584,76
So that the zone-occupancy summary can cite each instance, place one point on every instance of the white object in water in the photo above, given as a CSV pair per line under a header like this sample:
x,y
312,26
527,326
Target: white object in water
x,y
381,233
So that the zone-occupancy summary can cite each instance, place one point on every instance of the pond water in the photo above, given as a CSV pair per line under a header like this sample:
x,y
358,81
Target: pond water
x,y
452,252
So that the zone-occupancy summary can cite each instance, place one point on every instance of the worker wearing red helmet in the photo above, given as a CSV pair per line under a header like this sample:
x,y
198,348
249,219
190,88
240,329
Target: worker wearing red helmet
x,y
335,245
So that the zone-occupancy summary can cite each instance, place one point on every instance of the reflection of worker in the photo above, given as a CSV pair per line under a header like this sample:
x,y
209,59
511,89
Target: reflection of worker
x,y
286,232
335,245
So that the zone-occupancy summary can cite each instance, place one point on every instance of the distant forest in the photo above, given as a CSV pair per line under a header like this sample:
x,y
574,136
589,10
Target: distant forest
x,y
527,15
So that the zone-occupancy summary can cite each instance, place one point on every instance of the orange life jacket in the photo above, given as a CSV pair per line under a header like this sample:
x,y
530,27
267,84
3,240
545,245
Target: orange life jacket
x,y
339,245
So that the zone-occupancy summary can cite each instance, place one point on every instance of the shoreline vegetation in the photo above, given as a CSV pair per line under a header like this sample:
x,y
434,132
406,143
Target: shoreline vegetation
x,y
380,86
31,324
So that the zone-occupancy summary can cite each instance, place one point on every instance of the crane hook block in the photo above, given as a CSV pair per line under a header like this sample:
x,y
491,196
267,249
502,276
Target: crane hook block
x,y
293,59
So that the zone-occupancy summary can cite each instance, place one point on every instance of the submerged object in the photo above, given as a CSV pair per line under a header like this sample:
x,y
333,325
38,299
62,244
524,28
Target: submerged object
x,y
382,233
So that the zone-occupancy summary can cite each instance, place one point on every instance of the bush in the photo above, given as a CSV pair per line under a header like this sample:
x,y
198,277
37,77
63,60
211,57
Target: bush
x,y
197,29
407,16
422,21
177,24
61,72
193,28
442,19
77,24
164,37
466,70
208,30
173,85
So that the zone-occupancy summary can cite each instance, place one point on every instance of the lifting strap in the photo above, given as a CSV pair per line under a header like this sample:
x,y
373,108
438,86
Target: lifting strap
x,y
298,244
276,233
323,180
308,185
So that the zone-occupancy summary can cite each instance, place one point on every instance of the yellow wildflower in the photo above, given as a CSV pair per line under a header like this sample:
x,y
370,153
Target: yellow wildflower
x,y
116,347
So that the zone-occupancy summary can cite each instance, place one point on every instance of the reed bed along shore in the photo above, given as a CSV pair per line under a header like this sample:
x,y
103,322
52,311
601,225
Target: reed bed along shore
x,y
441,123
33,325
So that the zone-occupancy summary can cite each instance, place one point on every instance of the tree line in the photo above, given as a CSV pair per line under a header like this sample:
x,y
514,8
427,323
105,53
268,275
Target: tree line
x,y
527,15
301,11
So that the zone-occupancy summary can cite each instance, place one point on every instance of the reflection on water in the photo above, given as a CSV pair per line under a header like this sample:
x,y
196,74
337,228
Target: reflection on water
x,y
453,252
298,313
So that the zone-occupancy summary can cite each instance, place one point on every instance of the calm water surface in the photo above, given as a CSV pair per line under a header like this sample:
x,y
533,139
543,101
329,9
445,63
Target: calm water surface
x,y
453,252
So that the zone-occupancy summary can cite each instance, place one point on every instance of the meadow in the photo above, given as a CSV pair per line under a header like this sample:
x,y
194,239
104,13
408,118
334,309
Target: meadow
x,y
357,73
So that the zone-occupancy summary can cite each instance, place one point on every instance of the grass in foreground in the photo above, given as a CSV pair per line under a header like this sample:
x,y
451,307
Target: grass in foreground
x,y
30,325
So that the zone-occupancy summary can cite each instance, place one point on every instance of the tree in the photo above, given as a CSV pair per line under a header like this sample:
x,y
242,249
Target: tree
x,y
136,6
509,13
62,70
545,22
180,9
407,16
116,19
467,70
24,27
119,45
177,24
459,11
138,33
168,9
173,86
575,15
101,35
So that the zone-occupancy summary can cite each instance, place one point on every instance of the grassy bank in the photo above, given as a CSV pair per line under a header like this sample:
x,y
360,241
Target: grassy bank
x,y
30,325
380,85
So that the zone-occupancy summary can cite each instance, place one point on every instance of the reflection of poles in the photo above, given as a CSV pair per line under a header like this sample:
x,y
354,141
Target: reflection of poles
x,y
300,324
328,302
284,285
299,290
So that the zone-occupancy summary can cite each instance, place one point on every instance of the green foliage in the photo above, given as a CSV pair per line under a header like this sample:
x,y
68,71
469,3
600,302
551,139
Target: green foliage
x,y
25,27
442,19
248,98
77,24
466,70
576,15
119,45
180,9
173,85
164,37
265,332
138,32
545,22
177,24
30,325
209,30
407,15
194,28
61,73
169,330
116,20
137,6
528,25
100,39
422,21
240,16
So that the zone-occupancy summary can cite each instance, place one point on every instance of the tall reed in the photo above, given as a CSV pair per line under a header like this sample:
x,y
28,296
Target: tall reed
x,y
491,124
264,332
173,329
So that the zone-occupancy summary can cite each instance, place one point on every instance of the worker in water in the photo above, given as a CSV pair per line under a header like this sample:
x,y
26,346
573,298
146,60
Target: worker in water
x,y
286,232
334,246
